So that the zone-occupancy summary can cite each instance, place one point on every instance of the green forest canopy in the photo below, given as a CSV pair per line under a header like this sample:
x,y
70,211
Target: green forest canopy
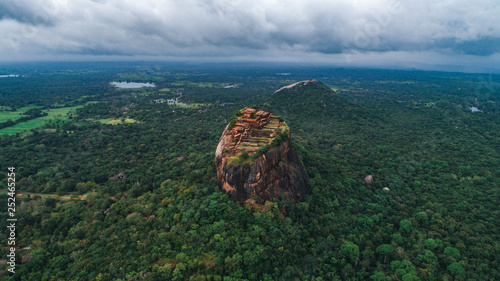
x,y
168,219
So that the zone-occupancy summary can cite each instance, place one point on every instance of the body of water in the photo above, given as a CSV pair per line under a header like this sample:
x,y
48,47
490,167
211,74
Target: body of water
x,y
131,85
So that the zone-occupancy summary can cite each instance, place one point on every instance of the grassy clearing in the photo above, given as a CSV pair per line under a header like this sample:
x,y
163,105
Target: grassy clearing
x,y
237,160
25,126
112,121
338,89
144,94
6,115
70,196
75,100
81,98
54,114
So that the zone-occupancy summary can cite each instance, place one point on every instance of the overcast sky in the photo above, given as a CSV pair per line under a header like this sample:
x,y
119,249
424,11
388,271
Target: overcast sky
x,y
426,34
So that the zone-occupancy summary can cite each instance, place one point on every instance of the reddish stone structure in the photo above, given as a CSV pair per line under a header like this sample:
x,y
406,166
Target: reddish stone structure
x,y
264,175
253,129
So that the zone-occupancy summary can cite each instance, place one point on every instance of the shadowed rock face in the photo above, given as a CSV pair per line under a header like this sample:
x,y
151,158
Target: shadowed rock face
x,y
271,175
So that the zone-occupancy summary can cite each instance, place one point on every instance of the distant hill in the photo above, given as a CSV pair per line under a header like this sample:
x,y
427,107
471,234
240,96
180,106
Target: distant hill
x,y
308,99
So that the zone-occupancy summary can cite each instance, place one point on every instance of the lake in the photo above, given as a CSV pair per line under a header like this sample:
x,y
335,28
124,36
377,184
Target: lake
x,y
131,85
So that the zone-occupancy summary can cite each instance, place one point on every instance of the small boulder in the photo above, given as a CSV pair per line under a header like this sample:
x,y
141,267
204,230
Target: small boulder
x,y
250,202
119,177
369,179
386,188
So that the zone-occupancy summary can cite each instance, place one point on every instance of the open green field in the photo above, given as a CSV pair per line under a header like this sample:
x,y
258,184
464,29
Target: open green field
x,y
80,99
67,196
112,121
145,93
6,115
53,114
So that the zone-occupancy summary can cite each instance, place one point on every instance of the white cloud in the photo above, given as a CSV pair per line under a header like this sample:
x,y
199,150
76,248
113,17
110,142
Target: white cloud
x,y
239,28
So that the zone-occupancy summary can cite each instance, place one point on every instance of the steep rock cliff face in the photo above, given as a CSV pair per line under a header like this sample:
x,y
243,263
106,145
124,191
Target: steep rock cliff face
x,y
266,174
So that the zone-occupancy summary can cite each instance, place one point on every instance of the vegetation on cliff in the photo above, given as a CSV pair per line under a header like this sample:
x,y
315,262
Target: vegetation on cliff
x,y
257,132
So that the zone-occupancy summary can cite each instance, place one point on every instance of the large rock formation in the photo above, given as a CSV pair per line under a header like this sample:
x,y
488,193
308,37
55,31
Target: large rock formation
x,y
308,100
254,158
297,85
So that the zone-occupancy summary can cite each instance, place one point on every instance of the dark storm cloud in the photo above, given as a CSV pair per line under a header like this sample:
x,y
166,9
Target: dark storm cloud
x,y
29,12
239,28
479,47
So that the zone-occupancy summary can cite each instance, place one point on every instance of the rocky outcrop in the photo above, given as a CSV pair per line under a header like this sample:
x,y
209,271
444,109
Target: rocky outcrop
x,y
297,85
369,179
120,176
270,173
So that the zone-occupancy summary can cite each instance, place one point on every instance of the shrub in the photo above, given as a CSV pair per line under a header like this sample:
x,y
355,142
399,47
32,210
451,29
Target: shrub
x,y
453,252
240,159
284,135
276,141
405,226
430,244
233,121
234,160
244,155
350,250
385,249
264,149
456,269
